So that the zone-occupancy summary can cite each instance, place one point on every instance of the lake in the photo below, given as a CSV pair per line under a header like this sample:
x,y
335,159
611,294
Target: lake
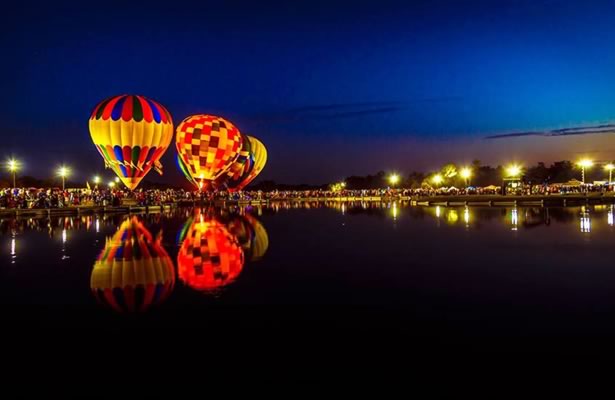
x,y
302,278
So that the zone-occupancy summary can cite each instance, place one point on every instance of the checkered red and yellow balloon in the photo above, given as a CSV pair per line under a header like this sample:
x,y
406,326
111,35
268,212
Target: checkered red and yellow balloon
x,y
207,145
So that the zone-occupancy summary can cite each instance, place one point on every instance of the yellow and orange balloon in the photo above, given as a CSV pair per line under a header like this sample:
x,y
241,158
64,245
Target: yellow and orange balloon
x,y
131,133
259,155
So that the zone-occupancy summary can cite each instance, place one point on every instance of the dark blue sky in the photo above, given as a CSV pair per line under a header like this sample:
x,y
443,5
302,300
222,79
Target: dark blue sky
x,y
332,88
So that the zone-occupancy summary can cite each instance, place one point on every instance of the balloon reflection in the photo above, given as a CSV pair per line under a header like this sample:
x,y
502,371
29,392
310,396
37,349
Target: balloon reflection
x,y
133,271
209,257
214,248
251,235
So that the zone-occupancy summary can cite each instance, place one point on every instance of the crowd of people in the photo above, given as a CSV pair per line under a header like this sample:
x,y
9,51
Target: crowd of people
x,y
58,198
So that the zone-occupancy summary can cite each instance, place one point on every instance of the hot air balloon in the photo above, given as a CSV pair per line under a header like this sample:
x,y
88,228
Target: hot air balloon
x,y
210,257
182,167
133,271
238,170
207,145
131,133
259,153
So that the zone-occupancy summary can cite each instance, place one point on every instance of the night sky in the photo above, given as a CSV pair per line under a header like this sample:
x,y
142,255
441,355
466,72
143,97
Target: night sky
x,y
332,88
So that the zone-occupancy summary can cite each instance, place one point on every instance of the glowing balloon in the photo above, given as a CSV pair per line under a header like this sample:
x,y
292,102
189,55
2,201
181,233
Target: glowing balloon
x,y
131,133
209,257
207,145
238,170
182,167
133,271
259,153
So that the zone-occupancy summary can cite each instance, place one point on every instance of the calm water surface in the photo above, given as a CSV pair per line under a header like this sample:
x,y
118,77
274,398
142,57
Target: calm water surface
x,y
490,279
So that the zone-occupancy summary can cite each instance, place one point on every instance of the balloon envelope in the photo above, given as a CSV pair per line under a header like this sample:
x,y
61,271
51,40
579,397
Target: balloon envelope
x,y
207,145
184,169
131,133
259,153
239,170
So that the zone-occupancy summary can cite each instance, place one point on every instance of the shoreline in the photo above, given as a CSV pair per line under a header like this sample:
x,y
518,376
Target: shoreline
x,y
556,200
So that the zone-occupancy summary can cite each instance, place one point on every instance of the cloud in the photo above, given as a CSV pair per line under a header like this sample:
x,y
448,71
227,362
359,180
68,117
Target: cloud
x,y
343,110
579,130
342,106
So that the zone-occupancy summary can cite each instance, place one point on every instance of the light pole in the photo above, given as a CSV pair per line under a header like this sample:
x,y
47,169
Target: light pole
x,y
437,179
393,179
63,172
584,163
513,173
13,166
609,167
466,173
96,181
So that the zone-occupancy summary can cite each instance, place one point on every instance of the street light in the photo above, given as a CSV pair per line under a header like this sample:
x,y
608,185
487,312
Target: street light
x,y
63,172
393,179
466,173
437,179
96,180
609,167
513,171
13,166
584,163
111,184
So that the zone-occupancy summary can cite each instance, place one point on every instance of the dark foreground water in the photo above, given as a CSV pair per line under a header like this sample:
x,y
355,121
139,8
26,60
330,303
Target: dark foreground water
x,y
338,285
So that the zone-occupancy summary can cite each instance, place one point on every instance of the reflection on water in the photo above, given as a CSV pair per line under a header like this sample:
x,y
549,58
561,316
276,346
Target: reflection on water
x,y
514,218
135,268
13,250
214,245
210,257
234,217
251,235
586,225
133,271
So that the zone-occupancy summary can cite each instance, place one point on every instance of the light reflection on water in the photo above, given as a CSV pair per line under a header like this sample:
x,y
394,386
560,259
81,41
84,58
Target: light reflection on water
x,y
513,217
135,267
